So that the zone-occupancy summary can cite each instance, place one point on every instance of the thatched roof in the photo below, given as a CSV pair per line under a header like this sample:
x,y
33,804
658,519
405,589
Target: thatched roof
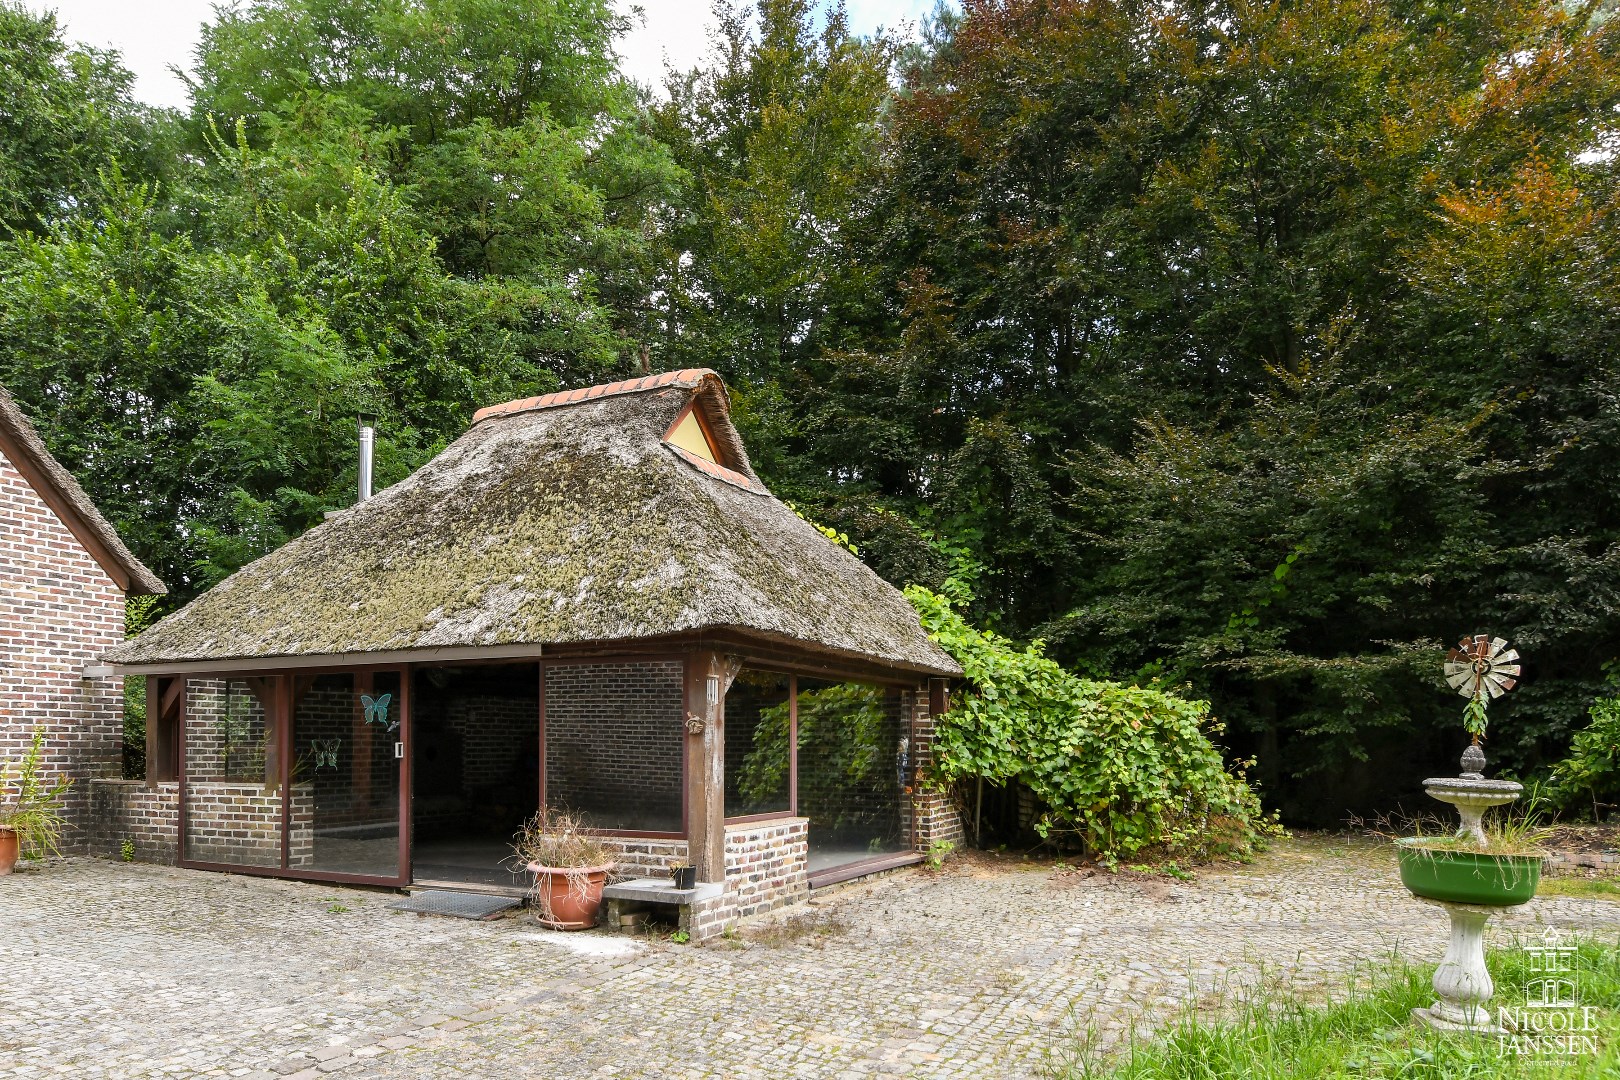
x,y
22,446
562,519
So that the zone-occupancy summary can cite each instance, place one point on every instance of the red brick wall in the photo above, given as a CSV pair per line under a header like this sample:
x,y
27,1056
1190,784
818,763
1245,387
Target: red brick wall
x,y
645,856
58,611
767,864
148,817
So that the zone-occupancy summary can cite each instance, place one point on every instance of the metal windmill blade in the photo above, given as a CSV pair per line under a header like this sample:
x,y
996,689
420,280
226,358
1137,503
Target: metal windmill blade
x,y
1482,666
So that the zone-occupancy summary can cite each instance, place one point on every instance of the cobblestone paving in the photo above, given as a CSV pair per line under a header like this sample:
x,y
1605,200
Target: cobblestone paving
x,y
979,971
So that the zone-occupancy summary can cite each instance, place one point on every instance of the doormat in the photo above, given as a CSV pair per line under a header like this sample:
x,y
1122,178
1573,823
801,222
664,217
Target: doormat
x,y
457,905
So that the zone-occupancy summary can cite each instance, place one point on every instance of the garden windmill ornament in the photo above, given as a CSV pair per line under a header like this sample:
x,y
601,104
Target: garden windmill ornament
x,y
1481,669
1464,876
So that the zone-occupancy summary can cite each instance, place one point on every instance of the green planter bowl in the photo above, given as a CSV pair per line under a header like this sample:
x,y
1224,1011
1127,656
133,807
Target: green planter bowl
x,y
1464,877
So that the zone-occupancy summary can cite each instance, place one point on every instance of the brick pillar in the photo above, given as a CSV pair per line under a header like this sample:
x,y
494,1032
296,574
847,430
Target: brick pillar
x,y
934,817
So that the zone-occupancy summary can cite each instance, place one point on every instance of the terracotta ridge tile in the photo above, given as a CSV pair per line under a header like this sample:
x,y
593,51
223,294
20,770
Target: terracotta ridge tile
x,y
590,393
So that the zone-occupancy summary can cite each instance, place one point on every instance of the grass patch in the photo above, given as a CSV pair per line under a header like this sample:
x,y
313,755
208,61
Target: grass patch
x,y
1580,888
1269,1033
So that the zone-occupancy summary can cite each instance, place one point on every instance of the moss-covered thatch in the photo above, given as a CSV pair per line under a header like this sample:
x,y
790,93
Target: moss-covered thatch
x,y
551,524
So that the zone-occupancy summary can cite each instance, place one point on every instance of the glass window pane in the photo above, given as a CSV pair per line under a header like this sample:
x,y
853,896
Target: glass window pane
x,y
615,743
475,749
233,809
850,757
758,747
345,792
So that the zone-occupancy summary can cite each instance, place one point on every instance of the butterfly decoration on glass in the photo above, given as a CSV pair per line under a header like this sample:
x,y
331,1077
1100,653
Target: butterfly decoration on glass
x,y
326,752
377,710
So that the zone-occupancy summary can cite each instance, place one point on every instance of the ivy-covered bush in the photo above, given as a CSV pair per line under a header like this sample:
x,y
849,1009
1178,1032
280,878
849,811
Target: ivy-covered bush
x,y
1129,771
1590,777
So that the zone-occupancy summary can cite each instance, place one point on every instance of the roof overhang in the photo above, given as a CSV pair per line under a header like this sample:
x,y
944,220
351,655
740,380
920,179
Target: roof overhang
x,y
776,650
388,658
21,445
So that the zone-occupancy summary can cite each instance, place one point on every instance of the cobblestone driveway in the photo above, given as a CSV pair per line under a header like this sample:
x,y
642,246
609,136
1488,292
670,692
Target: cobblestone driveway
x,y
978,971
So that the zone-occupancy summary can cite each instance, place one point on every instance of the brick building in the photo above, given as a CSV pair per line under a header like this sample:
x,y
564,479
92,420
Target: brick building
x,y
64,576
590,600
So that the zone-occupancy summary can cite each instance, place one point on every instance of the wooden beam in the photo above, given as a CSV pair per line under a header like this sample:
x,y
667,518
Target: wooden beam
x,y
706,766
170,696
276,716
160,707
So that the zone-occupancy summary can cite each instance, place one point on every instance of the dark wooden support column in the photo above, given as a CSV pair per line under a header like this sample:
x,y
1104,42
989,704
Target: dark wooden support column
x,y
277,715
360,758
706,764
164,699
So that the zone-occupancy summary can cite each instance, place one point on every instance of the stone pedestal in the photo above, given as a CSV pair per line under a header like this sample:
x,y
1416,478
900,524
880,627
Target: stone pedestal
x,y
1472,796
1461,982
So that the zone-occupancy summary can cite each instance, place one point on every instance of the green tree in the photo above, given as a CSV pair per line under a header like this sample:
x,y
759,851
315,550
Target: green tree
x,y
507,126
67,115
1288,306
394,210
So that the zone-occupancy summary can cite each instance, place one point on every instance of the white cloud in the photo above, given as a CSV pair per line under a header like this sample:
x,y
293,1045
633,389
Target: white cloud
x,y
156,34
151,36
673,32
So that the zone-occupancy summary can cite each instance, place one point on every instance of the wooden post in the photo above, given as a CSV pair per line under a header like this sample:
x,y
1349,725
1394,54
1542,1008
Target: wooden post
x,y
276,716
706,765
154,731
164,700
360,757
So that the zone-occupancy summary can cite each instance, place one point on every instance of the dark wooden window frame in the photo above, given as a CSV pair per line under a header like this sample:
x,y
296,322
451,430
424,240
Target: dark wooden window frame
x,y
280,688
634,658
793,757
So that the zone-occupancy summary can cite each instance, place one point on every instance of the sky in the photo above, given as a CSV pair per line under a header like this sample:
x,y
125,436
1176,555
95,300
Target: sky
x,y
157,34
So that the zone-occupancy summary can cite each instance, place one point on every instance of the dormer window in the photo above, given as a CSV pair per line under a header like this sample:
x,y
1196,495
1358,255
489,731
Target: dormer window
x,y
688,433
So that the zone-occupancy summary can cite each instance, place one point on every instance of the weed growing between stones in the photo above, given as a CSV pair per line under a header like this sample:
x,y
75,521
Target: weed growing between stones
x,y
1271,1031
812,928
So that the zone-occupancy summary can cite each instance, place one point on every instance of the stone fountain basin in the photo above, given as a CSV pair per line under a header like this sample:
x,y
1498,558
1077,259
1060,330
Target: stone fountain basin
x,y
1467,877
1453,789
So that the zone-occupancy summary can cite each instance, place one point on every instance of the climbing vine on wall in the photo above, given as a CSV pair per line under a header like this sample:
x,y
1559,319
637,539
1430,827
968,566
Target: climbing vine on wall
x,y
1128,771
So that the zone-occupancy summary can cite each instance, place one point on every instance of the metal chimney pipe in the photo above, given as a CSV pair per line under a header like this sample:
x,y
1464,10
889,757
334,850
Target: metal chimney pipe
x,y
367,441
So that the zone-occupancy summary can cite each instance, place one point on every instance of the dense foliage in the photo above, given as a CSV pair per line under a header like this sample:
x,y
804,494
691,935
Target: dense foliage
x,y
1256,346
1125,770
1589,779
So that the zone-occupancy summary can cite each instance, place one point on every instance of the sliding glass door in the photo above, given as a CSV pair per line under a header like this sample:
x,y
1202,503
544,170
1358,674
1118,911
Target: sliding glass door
x,y
298,775
349,747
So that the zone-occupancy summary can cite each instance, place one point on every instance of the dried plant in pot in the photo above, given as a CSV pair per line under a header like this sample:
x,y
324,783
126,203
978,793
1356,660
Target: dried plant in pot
x,y
570,864
31,821
683,874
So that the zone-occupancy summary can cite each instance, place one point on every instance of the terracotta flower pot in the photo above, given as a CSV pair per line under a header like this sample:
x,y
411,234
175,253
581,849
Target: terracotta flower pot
x,y
10,848
569,897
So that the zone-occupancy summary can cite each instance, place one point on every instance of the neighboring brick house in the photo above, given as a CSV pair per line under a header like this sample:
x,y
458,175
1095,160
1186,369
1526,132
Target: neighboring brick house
x,y
588,599
64,576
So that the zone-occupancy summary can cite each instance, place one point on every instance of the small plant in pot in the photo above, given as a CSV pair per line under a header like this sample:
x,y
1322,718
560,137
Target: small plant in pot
x,y
31,820
570,865
1503,870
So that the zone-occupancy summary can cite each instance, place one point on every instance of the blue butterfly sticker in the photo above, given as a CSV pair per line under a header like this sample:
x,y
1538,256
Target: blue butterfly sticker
x,y
377,710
